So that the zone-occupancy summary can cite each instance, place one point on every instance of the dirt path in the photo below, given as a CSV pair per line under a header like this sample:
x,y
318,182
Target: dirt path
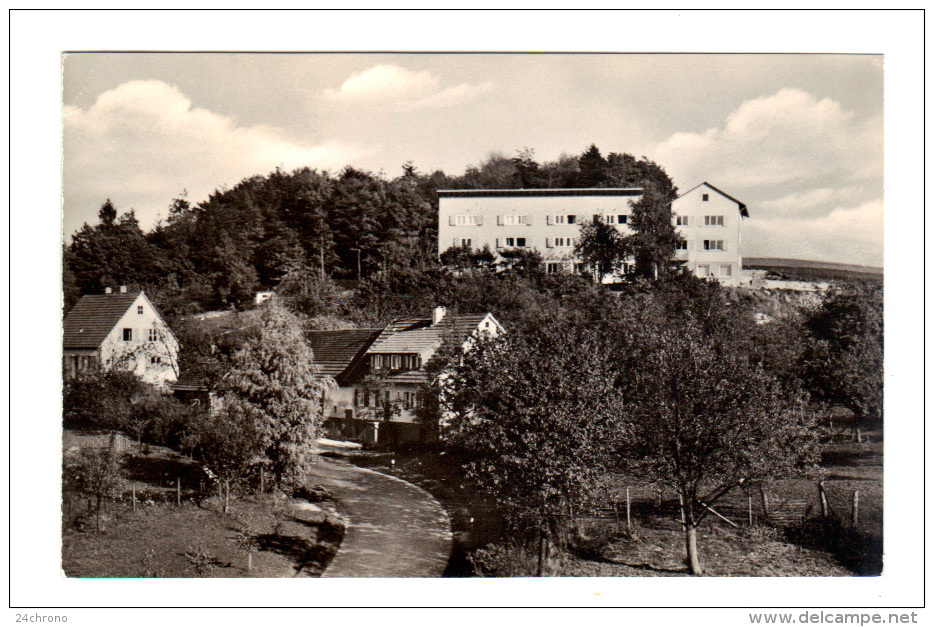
x,y
394,529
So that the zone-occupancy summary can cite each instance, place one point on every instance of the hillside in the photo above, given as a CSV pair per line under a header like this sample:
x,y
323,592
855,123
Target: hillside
x,y
805,270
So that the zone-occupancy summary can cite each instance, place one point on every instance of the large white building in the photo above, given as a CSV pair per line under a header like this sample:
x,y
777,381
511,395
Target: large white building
x,y
548,220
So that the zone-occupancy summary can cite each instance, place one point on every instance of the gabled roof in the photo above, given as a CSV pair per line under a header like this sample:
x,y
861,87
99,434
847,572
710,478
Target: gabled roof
x,y
743,210
336,352
94,317
415,335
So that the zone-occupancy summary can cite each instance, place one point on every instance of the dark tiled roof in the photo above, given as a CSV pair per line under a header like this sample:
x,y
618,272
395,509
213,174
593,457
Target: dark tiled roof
x,y
413,335
336,351
93,317
191,382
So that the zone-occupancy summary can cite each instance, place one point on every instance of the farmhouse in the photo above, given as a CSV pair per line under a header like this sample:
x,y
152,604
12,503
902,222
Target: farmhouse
x,y
548,220
119,330
380,373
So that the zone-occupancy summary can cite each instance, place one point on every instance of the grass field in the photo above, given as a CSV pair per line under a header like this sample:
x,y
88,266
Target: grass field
x,y
290,537
791,541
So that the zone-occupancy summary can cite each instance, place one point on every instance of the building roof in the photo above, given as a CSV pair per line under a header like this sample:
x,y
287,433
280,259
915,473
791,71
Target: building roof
x,y
743,210
94,317
415,335
581,191
335,352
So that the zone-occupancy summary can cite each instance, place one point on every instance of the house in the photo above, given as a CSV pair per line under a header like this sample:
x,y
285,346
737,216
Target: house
x,y
119,330
340,356
548,220
381,373
710,223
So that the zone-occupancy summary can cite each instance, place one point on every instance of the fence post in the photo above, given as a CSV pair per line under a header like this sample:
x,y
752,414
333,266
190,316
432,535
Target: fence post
x,y
616,512
628,508
178,491
262,480
749,507
134,497
681,507
824,506
765,503
855,507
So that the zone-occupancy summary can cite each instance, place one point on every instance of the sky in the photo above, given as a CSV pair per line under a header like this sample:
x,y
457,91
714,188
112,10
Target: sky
x,y
798,138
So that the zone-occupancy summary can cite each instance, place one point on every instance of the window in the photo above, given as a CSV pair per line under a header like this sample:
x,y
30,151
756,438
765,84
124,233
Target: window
x,y
572,218
513,220
713,244
610,218
681,245
139,309
580,268
553,268
376,362
726,270
705,197
466,220
564,241
561,220
128,335
713,220
155,359
681,220
622,219
510,242
395,362
520,242
154,335
465,242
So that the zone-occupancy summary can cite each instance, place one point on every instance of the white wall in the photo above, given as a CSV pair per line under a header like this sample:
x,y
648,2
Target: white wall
x,y
538,208
705,263
136,355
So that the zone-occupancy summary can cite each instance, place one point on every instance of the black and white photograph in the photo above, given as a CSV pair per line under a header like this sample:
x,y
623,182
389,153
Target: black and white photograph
x,y
490,314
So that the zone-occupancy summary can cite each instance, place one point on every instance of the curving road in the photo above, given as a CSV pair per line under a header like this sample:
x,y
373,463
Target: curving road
x,y
394,529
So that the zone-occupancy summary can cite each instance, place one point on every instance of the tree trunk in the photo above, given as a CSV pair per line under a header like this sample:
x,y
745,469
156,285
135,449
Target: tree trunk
x,y
226,494
542,552
690,538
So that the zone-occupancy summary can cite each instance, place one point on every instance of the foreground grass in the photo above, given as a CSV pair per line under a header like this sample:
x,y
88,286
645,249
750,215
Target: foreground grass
x,y
292,538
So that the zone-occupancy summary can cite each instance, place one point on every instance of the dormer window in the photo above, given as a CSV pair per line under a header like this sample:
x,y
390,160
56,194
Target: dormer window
x,y
705,197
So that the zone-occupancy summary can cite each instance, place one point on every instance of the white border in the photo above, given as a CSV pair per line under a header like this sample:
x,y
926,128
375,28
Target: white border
x,y
37,38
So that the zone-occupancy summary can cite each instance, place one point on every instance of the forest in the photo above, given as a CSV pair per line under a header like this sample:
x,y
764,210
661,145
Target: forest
x,y
314,230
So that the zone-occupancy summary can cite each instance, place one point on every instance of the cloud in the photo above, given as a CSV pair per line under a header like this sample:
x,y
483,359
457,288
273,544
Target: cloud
x,y
399,89
809,170
846,234
787,137
143,142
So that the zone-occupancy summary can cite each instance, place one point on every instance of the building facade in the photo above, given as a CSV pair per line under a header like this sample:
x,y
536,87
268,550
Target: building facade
x,y
710,223
548,220
119,330
380,375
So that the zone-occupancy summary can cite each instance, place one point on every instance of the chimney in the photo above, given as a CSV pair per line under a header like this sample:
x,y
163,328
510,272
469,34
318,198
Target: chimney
x,y
438,314
123,289
108,290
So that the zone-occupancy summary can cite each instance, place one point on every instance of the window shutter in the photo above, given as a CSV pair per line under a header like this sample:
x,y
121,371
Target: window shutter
x,y
549,242
457,242
550,219
452,220
596,218
499,242
500,220
478,220
527,220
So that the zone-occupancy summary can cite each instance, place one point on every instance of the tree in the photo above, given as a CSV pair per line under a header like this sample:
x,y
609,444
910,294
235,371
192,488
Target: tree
x,y
528,412
844,362
593,168
274,377
96,474
602,248
654,238
228,441
702,418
